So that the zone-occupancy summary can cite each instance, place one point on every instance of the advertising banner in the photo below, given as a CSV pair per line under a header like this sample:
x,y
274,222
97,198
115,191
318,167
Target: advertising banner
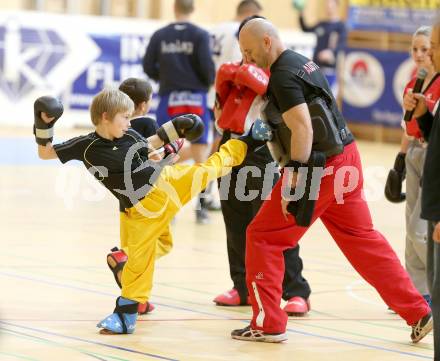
x,y
391,15
373,86
74,57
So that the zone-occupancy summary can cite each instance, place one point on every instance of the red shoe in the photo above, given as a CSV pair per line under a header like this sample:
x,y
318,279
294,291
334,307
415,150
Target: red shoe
x,y
144,308
297,306
229,298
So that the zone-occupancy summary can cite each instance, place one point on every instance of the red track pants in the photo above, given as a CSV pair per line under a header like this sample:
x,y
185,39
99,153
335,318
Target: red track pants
x,y
346,216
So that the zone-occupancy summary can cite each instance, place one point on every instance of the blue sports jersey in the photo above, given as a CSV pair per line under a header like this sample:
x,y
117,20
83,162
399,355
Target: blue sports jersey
x,y
329,35
179,58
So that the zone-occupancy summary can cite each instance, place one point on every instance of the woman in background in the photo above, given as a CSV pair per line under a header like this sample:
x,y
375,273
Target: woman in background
x,y
410,160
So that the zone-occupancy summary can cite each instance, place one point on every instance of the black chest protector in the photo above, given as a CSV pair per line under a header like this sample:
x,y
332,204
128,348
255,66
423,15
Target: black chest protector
x,y
330,132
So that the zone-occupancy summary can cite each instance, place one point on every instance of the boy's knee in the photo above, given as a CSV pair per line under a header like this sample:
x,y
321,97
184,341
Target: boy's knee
x,y
163,249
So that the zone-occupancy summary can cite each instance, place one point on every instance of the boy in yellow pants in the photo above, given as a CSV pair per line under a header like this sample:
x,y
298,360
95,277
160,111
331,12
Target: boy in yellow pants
x,y
150,192
140,91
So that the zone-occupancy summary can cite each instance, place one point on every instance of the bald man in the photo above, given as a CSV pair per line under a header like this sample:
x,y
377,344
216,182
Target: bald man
x,y
298,92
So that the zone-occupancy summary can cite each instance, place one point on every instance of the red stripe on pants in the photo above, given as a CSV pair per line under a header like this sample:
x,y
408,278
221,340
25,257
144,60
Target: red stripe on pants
x,y
350,225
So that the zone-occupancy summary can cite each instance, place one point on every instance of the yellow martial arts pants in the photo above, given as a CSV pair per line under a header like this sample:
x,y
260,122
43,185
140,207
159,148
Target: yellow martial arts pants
x,y
145,232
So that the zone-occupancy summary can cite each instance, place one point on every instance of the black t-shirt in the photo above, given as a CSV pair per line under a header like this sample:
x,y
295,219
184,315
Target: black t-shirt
x,y
121,165
285,89
145,126
296,80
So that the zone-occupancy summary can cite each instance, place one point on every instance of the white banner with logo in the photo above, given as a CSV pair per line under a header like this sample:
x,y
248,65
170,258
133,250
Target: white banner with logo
x,y
74,57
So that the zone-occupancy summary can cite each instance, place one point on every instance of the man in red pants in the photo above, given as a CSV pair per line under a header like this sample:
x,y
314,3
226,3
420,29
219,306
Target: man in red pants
x,y
309,131
239,89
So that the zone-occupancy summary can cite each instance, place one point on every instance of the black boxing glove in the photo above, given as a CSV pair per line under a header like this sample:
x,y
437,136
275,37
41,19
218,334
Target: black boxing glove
x,y
188,126
303,208
54,109
396,176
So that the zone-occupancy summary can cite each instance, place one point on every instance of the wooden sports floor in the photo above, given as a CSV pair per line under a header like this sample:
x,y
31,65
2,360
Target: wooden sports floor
x,y
58,225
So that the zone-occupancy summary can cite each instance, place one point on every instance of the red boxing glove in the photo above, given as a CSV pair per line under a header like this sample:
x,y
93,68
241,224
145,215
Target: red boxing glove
x,y
252,77
224,81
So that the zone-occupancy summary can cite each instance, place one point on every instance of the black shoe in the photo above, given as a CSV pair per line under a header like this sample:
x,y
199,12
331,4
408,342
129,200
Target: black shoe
x,y
202,216
421,328
247,334
209,199
213,205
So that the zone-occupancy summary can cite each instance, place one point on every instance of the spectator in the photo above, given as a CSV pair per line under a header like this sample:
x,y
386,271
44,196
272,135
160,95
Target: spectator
x,y
330,41
430,126
409,162
179,58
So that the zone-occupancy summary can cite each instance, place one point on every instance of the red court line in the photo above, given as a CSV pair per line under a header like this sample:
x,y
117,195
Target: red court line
x,y
206,319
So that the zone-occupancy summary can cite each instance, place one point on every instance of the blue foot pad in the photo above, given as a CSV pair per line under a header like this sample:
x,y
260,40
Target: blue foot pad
x,y
123,319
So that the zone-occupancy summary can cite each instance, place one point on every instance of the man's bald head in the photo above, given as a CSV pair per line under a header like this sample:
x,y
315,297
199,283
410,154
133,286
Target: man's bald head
x,y
260,42
258,28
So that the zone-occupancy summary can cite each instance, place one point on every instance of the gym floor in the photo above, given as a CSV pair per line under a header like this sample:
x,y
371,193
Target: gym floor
x,y
58,225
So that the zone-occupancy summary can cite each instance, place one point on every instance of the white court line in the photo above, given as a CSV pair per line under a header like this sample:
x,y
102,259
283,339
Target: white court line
x,y
15,192
351,292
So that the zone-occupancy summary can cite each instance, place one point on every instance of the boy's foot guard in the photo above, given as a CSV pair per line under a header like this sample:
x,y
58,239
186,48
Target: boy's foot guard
x,y
122,320
116,261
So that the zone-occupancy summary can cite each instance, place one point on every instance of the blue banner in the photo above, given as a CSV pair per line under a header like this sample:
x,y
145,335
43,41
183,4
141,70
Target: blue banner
x,y
374,82
391,15
120,58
